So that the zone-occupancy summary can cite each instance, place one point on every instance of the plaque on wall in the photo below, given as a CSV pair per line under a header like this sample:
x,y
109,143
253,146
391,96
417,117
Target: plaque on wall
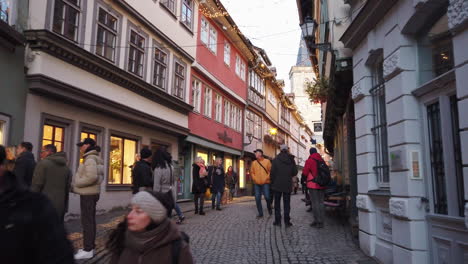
x,y
415,165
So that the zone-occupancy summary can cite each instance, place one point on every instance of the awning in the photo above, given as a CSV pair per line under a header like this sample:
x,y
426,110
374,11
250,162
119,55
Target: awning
x,y
211,145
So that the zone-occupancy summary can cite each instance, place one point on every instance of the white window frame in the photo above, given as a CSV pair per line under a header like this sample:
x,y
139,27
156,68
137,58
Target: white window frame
x,y
218,108
204,31
69,5
184,19
238,62
208,102
107,31
242,70
5,128
196,95
213,39
227,112
232,121
227,53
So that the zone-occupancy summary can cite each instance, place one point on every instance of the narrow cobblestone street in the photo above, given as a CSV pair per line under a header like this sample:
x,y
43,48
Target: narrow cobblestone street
x,y
234,235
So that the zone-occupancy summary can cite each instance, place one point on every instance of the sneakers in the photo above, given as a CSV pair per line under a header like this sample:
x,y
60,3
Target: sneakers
x,y
82,254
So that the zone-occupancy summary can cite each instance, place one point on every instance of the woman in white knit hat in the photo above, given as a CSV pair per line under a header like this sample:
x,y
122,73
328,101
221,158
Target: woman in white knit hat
x,y
147,234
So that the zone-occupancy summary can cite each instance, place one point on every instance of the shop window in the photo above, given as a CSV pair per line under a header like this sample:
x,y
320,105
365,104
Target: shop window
x,y
121,158
67,18
204,156
55,135
4,123
227,162
241,174
85,135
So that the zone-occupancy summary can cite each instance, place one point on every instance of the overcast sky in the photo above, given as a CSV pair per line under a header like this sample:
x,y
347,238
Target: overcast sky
x,y
272,25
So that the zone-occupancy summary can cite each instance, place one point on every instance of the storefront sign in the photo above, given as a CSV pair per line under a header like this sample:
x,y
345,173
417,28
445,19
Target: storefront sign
x,y
224,137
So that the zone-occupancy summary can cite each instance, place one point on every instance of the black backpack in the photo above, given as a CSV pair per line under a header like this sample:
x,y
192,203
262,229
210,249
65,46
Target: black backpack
x,y
323,174
177,246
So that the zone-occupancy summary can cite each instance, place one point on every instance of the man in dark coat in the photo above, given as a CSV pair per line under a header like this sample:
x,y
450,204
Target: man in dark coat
x,y
25,164
30,230
283,169
216,178
52,177
142,173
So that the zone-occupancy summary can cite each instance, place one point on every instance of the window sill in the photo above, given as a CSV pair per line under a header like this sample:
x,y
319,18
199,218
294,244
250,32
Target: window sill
x,y
172,13
118,187
187,28
385,192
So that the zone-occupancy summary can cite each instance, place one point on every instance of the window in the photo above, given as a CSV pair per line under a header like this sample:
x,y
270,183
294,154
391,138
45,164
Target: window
x,y
160,68
7,11
233,118
187,13
227,53
4,126
239,121
208,102
238,67
272,99
66,18
285,117
380,126
196,95
136,53
457,154
257,83
442,54
179,80
219,108
242,70
106,35
213,39
121,157
227,112
83,135
204,31
317,127
53,134
170,4
253,124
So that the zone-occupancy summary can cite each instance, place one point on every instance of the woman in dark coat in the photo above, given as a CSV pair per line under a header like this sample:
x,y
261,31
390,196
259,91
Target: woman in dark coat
x,y
200,183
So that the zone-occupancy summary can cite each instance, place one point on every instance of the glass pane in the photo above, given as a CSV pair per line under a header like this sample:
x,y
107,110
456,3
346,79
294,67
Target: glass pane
x,y
48,132
115,160
59,146
46,142
241,174
227,162
204,156
59,134
2,125
129,159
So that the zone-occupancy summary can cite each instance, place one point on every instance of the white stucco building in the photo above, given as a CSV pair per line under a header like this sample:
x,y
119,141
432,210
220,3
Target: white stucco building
x,y
112,70
410,69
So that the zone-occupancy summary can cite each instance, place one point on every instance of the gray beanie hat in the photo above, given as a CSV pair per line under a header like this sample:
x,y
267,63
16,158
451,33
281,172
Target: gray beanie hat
x,y
152,206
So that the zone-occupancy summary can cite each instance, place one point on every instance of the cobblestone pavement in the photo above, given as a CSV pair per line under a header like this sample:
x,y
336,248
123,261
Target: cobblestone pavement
x,y
234,235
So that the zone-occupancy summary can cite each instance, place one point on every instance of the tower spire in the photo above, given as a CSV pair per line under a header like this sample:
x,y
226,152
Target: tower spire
x,y
303,59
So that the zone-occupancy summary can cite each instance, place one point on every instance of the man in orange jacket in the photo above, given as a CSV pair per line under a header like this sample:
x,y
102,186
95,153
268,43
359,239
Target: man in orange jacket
x,y
260,171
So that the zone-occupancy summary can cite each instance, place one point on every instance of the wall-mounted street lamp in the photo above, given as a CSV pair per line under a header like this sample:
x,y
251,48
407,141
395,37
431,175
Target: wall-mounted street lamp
x,y
250,137
308,33
273,131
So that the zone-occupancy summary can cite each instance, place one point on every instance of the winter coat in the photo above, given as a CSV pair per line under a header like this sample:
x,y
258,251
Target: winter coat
x,y
310,170
295,181
216,179
283,170
153,246
199,183
52,177
88,178
24,168
142,176
30,230
259,175
164,180
231,180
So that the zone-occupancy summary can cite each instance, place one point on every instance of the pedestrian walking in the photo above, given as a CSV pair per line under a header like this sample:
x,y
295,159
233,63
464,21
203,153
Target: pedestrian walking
x,y
164,179
283,170
52,177
217,183
317,192
148,236
260,171
87,183
25,164
231,181
295,181
31,231
142,174
200,183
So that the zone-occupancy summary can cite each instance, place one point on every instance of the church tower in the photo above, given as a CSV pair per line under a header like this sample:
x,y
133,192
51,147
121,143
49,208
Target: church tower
x,y
301,74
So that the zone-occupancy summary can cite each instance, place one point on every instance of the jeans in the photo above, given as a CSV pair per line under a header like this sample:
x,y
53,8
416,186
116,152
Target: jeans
x,y
88,220
199,199
265,190
286,204
178,210
216,196
232,192
318,209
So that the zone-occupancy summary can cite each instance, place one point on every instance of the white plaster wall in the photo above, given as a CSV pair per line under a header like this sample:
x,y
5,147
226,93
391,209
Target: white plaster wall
x,y
37,105
62,71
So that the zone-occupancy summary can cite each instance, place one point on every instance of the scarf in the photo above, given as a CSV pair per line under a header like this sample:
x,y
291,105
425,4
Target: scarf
x,y
142,241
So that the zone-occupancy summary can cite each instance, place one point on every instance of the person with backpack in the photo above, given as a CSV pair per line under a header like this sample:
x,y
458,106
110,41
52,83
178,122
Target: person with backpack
x,y
147,235
260,172
315,171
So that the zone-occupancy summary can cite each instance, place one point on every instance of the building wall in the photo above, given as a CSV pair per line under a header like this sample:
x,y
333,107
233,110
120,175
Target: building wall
x,y
272,102
214,63
399,225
